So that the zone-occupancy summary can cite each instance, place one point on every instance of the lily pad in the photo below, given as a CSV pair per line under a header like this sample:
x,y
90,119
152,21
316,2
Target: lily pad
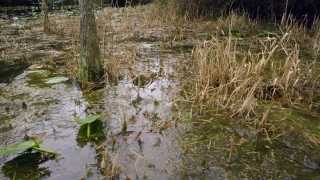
x,y
88,119
15,18
19,147
235,32
267,33
146,45
236,38
55,80
24,146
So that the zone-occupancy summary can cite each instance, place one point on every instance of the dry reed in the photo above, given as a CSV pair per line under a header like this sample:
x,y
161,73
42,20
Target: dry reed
x,y
237,81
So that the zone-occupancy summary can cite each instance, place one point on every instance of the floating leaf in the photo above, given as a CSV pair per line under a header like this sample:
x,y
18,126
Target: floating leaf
x,y
45,150
25,146
16,25
147,45
55,80
237,39
235,32
88,119
266,33
18,147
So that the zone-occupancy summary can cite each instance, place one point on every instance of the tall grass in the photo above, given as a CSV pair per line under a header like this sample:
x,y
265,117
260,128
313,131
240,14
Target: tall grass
x,y
236,75
237,81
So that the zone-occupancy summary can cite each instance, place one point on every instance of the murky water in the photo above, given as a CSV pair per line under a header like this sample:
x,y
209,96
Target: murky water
x,y
165,137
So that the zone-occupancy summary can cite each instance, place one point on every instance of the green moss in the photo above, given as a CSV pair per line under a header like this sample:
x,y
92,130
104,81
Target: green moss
x,y
37,79
93,96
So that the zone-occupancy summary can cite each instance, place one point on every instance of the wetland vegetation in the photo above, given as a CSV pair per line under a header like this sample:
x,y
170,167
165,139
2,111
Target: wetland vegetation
x,y
184,96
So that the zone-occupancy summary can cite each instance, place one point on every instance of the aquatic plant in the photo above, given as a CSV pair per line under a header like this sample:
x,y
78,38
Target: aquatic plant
x,y
234,32
266,33
30,144
88,120
187,118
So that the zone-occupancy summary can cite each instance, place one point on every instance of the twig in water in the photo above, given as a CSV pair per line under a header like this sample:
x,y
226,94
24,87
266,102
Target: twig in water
x,y
231,147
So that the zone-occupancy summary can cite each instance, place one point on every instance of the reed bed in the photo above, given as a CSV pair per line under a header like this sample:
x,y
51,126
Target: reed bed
x,y
233,77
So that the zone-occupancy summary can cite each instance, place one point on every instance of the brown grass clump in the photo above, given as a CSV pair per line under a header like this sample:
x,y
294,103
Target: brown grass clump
x,y
230,77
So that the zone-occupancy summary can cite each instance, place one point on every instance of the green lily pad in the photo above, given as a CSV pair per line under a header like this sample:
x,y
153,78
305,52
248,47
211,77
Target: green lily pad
x,y
16,25
236,39
19,147
265,33
24,146
235,32
88,119
55,80
147,45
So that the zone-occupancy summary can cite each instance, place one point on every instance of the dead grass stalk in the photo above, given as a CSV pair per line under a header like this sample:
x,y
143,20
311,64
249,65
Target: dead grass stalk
x,y
236,81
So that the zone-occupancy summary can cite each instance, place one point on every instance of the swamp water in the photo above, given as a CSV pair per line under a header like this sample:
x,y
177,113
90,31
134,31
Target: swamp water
x,y
165,138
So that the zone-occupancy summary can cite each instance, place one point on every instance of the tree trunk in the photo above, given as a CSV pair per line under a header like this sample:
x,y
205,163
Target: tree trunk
x,y
90,64
46,16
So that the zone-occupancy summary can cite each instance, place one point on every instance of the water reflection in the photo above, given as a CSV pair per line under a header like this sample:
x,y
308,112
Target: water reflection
x,y
97,134
27,166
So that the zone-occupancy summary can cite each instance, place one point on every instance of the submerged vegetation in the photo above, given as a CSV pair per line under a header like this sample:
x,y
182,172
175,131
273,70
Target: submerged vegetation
x,y
188,94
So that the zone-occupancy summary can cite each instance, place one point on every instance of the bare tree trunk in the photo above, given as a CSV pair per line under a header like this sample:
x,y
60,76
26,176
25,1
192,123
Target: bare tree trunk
x,y
90,64
46,16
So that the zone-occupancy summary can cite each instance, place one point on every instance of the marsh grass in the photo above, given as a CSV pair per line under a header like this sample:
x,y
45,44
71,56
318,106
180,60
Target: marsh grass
x,y
239,76
237,81
316,38
110,166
